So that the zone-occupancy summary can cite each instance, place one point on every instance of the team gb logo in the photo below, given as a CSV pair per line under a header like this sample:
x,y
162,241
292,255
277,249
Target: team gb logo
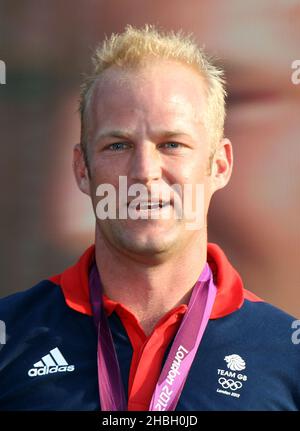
x,y
235,362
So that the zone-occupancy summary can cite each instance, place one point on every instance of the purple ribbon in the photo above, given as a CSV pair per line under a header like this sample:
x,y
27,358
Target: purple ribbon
x,y
111,391
179,361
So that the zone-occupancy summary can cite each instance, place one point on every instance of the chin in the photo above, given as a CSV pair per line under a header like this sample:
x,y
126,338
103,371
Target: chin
x,y
149,249
146,240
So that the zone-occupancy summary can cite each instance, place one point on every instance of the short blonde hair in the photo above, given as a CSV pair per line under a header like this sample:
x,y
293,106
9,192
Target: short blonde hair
x,y
132,49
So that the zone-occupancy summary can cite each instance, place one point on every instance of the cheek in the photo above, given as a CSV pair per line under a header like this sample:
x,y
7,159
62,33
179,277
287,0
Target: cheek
x,y
195,183
193,171
104,171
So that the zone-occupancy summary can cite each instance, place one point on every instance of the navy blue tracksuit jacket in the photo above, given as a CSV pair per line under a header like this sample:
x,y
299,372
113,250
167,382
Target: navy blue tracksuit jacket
x,y
248,359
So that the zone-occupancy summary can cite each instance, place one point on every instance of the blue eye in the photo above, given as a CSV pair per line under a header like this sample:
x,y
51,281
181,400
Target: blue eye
x,y
171,145
118,146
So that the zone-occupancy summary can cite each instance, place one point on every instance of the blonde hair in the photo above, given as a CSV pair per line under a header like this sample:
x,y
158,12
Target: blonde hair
x,y
132,49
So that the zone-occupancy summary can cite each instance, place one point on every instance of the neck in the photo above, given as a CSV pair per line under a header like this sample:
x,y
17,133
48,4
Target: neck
x,y
150,289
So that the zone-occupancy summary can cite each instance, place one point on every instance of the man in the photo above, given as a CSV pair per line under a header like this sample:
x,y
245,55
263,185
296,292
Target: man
x,y
160,316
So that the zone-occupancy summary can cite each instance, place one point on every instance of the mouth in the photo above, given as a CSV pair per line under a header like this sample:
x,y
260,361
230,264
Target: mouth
x,y
150,205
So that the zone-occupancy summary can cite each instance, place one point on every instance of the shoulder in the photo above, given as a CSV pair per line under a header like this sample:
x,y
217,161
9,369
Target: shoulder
x,y
265,331
38,296
271,331
42,330
24,312
265,313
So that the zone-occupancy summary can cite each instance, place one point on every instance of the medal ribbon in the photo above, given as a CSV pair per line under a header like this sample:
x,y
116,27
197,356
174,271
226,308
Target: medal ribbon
x,y
180,358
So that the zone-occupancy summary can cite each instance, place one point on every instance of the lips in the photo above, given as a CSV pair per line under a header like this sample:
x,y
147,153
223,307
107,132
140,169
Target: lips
x,y
150,205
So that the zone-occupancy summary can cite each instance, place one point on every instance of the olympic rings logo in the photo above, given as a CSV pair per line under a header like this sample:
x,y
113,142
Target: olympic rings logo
x,y
230,384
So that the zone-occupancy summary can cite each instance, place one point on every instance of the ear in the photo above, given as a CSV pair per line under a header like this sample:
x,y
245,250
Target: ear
x,y
222,164
80,170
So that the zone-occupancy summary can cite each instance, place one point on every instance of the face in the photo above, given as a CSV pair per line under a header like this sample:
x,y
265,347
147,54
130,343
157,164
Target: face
x,y
147,125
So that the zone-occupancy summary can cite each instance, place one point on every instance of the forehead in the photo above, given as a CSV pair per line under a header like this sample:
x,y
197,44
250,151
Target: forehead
x,y
164,91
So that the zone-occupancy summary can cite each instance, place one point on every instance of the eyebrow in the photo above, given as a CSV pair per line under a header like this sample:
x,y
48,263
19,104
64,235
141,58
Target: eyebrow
x,y
129,135
113,134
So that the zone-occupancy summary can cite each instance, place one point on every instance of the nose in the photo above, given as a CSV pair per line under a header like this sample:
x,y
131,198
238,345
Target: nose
x,y
146,163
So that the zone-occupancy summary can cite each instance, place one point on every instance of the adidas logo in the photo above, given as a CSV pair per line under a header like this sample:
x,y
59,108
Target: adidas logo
x,y
52,363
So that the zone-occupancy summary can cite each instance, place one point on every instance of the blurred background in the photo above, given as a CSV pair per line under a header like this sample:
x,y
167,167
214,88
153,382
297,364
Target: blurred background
x,y
46,45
